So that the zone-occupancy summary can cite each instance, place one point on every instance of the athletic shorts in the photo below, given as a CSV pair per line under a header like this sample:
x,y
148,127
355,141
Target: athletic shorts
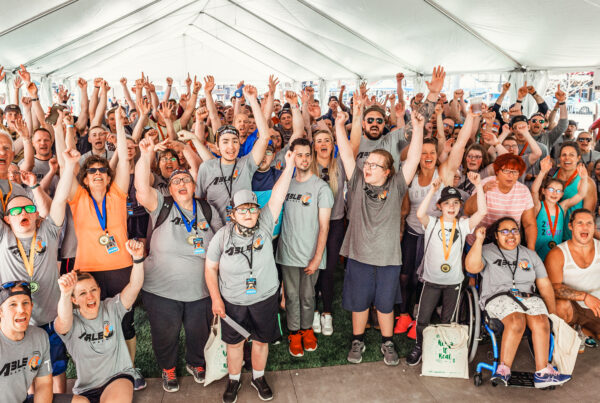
x,y
58,351
502,306
585,318
56,398
93,395
259,319
366,285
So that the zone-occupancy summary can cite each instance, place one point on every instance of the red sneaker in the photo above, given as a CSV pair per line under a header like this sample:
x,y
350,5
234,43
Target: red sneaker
x,y
295,347
412,333
402,324
309,339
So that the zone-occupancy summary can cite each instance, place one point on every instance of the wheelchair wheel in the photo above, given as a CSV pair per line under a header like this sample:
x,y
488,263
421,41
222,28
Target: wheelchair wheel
x,y
469,315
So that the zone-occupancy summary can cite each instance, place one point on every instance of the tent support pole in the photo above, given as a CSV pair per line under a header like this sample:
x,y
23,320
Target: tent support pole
x,y
37,17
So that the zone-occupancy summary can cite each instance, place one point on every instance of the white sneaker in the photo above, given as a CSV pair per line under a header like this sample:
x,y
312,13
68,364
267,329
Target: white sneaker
x,y
317,322
327,324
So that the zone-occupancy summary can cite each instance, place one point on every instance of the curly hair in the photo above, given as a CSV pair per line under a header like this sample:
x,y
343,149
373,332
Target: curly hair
x,y
91,160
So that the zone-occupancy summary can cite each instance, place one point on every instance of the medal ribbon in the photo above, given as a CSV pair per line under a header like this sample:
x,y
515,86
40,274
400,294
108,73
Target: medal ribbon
x,y
523,150
188,224
571,178
5,199
28,262
552,225
101,216
447,248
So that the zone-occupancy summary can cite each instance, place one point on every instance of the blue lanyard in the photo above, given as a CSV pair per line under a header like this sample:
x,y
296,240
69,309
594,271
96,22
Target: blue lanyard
x,y
101,216
188,225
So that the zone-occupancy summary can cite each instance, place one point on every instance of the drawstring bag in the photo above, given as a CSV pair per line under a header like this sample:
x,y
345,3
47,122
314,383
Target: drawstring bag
x,y
215,354
566,345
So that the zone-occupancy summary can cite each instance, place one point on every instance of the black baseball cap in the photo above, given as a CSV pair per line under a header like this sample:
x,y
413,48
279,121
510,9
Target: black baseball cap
x,y
517,119
448,193
572,123
12,108
333,97
7,289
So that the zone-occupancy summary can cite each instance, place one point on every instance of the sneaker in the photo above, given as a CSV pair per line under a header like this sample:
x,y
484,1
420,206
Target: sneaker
x,y
327,324
402,324
233,387
591,342
390,356
139,382
262,387
197,372
169,380
414,357
309,340
502,374
412,332
355,354
278,340
295,347
549,377
316,322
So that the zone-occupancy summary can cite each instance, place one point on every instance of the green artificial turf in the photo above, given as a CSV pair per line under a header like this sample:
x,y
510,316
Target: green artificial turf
x,y
332,350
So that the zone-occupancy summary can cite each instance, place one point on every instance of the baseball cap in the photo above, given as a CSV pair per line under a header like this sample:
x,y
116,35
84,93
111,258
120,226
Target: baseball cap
x,y
7,289
180,171
448,193
374,108
333,97
244,196
572,123
517,119
12,108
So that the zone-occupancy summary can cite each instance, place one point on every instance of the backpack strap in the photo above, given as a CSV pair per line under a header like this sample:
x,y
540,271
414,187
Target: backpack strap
x,y
164,211
206,210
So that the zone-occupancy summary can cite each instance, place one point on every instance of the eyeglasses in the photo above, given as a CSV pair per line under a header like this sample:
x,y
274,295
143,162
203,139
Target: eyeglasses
x,y
512,172
552,190
251,210
458,125
167,159
447,125
538,121
177,181
11,284
92,171
15,211
373,165
474,157
505,232
584,139
378,120
269,153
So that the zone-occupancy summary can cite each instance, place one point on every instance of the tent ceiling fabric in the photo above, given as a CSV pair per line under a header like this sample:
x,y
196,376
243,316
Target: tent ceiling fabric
x,y
296,39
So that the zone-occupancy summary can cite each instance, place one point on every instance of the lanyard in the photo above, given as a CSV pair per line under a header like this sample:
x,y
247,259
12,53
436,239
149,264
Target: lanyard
x,y
28,262
571,178
523,150
101,216
251,259
230,187
447,248
162,135
5,199
188,225
513,271
551,224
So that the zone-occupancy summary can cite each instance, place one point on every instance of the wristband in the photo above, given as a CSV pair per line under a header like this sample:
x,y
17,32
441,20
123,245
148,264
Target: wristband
x,y
35,99
561,103
70,126
534,93
96,87
519,101
446,102
140,260
35,186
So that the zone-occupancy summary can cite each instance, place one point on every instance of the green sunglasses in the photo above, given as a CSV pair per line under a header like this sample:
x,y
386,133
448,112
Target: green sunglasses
x,y
15,211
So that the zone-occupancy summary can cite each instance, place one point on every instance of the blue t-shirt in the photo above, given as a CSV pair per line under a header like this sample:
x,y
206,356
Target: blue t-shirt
x,y
248,144
262,186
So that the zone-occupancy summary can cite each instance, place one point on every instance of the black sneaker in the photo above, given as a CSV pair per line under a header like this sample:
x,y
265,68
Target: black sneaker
x,y
415,356
230,395
139,382
196,372
264,391
169,380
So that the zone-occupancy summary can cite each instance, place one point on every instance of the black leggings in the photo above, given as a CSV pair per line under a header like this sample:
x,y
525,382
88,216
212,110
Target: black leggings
x,y
430,296
166,317
412,253
335,237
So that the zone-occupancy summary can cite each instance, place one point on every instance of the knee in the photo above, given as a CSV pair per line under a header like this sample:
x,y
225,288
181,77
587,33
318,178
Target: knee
x,y
539,323
515,323
564,310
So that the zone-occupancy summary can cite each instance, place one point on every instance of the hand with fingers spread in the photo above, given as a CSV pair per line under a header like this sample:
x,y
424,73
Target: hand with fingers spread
x,y
209,85
273,82
18,82
24,74
363,88
546,164
22,128
165,112
437,80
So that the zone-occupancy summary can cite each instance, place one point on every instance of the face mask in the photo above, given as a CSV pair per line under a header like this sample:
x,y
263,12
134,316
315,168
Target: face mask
x,y
246,231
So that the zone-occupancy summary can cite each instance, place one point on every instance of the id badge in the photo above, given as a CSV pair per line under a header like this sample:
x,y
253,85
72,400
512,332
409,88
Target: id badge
x,y
199,246
111,246
516,292
228,211
251,285
129,208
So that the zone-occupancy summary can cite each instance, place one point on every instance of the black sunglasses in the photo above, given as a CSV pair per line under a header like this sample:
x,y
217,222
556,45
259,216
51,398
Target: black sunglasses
x,y
92,171
378,120
584,139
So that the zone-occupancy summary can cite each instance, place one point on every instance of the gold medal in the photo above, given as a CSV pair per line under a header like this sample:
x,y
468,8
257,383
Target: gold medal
x,y
190,239
551,244
445,268
104,240
34,287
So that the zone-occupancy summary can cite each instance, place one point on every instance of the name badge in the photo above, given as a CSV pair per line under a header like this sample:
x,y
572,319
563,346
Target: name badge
x,y
251,285
228,211
111,246
199,246
516,293
129,208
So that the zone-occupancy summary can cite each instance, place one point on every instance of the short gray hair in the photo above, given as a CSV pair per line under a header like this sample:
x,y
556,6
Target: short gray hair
x,y
9,137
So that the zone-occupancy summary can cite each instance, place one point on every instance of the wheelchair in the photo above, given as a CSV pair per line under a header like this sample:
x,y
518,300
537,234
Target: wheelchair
x,y
469,314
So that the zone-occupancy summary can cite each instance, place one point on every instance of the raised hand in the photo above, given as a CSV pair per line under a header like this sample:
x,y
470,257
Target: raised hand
x,y
2,73
530,89
399,109
290,158
522,92
147,146
505,87
26,101
438,108
363,88
201,114
165,111
341,118
459,94
135,248
169,81
28,178
197,86
67,119
98,82
18,82
67,283
314,110
82,84
304,96
399,77
209,85
582,172
437,80
250,92
443,98
436,183
53,164
546,164
123,81
417,119
291,97
273,82
71,156
560,94
32,89
22,128
24,74
480,233
188,80
474,178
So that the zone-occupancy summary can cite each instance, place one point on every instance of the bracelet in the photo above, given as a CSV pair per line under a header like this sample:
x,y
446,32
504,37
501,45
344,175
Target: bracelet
x,y
70,126
96,87
35,99
446,102
534,93
519,101
35,186
561,103
140,260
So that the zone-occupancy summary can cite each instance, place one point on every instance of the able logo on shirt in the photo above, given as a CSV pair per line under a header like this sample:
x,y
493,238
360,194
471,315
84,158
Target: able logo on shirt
x,y
523,264
278,165
363,154
203,225
305,199
99,337
258,243
40,248
376,195
108,330
16,366
236,250
34,362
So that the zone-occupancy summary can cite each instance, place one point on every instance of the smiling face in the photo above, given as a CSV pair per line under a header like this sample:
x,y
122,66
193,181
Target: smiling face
x,y
553,191
375,171
323,145
15,313
167,163
229,146
14,173
23,223
585,142
286,121
267,160
303,158
582,227
179,189
536,124
450,208
373,124
241,123
86,295
569,159
96,180
509,241
6,153
428,156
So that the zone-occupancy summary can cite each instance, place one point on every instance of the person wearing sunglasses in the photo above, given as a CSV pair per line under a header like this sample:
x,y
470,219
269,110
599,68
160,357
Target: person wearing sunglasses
x,y
177,256
538,123
515,289
29,249
586,143
506,196
529,149
550,207
242,281
23,344
98,202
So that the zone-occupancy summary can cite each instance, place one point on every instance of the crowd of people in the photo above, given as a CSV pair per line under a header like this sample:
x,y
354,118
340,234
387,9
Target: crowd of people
x,y
209,209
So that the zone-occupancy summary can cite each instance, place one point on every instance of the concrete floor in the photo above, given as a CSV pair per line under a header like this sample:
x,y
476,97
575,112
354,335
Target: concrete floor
x,y
375,382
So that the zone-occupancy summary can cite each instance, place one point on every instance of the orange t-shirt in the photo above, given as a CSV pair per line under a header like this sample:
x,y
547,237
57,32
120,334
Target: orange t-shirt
x,y
91,256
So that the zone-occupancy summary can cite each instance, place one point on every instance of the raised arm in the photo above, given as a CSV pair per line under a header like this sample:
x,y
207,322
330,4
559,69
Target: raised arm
x,y
410,165
126,93
136,280
260,146
399,89
476,218
449,167
122,171
474,259
101,108
167,93
357,118
280,189
581,191
190,106
64,320
270,100
422,210
536,151
545,167
28,151
209,85
93,105
145,194
344,148
84,104
143,107
59,203
167,114
297,121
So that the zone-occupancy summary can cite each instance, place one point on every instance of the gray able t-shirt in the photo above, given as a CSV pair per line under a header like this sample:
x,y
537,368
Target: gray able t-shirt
x,y
497,272
234,253
107,154
300,225
393,142
374,216
17,190
21,362
218,182
339,204
98,346
172,261
40,169
45,272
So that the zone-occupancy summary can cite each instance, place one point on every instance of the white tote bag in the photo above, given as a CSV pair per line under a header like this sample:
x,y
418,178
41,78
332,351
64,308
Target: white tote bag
x,y
566,345
446,351
215,354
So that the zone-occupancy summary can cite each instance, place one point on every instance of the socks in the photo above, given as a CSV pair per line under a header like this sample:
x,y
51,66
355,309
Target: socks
x,y
385,339
359,337
257,374
235,377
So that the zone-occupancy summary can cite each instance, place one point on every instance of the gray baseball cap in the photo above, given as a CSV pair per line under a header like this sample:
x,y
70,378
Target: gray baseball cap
x,y
244,197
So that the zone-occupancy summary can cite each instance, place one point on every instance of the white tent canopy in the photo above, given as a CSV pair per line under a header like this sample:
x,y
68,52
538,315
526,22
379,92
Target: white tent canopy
x,y
296,39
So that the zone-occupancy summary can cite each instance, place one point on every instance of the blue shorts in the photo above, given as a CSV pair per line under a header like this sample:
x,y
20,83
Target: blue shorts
x,y
366,285
58,351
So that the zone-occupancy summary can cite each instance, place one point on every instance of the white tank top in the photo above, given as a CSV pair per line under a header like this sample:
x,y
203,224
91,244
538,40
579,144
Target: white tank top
x,y
416,194
582,279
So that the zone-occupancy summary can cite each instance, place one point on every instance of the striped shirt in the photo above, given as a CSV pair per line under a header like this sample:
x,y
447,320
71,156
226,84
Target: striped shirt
x,y
511,204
